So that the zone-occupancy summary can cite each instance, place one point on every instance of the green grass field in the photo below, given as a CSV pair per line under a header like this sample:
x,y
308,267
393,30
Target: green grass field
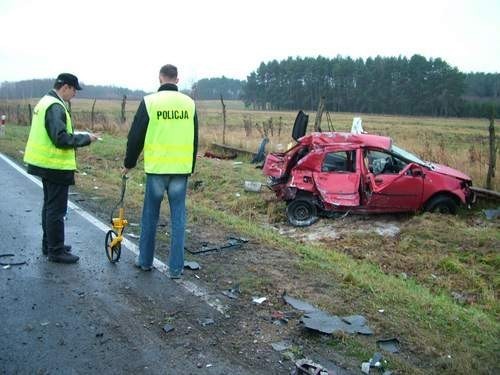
x,y
440,257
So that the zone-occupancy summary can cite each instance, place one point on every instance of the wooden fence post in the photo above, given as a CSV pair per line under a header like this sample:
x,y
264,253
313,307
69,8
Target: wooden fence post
x,y
124,102
493,152
319,114
18,114
223,120
92,115
30,114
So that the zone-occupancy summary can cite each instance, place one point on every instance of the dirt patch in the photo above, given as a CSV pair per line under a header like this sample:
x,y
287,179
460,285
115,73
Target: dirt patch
x,y
334,229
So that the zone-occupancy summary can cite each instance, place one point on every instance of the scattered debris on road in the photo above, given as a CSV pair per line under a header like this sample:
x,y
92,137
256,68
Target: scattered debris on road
x,y
258,300
321,321
281,346
378,362
389,345
206,322
232,243
191,265
232,293
168,328
307,367
10,263
252,186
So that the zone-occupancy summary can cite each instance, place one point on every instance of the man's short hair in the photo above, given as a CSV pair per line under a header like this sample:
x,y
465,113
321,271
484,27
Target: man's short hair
x,y
169,71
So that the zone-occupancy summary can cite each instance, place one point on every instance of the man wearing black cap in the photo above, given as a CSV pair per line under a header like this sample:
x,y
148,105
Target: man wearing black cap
x,y
50,154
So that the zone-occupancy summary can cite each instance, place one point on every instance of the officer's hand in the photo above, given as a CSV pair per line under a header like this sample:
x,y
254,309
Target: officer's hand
x,y
125,171
95,137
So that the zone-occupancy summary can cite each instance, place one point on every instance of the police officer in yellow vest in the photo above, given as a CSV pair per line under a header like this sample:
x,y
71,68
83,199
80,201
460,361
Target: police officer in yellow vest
x,y
166,127
50,154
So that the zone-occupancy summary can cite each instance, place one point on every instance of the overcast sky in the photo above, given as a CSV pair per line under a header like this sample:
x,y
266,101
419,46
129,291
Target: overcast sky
x,y
124,43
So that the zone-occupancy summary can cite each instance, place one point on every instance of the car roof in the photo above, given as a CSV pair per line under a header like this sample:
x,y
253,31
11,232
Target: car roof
x,y
363,140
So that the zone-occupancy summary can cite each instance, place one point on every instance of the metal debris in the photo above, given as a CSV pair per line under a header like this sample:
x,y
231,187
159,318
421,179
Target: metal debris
x,y
389,345
233,293
258,300
323,322
168,328
230,294
192,265
376,361
281,346
232,242
298,304
307,367
252,186
10,263
358,324
206,322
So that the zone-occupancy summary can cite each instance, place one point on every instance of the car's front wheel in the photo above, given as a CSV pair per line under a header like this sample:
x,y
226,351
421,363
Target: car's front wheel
x,y
302,212
442,204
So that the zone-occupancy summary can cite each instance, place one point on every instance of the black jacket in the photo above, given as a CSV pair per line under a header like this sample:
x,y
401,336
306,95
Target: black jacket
x,y
137,133
55,124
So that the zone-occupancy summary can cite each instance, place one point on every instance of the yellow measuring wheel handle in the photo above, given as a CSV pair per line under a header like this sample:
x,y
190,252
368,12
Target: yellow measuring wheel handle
x,y
114,237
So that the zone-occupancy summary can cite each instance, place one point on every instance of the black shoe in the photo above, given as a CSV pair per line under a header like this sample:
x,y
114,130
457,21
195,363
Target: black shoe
x,y
62,256
45,251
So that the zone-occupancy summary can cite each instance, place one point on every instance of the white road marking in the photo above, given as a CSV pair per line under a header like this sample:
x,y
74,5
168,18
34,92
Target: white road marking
x,y
197,290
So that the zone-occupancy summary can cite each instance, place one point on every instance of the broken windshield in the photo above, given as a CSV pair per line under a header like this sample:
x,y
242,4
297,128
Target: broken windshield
x,y
408,155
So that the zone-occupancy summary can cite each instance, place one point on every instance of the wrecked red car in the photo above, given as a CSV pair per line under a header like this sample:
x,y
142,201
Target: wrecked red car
x,y
331,173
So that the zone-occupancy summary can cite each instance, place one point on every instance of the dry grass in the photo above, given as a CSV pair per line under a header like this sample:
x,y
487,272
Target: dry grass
x,y
459,143
440,256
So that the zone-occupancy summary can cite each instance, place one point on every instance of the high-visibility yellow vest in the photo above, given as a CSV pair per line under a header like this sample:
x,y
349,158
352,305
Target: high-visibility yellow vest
x,y
169,143
40,150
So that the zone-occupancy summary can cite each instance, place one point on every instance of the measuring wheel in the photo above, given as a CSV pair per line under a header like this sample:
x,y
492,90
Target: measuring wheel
x,y
113,251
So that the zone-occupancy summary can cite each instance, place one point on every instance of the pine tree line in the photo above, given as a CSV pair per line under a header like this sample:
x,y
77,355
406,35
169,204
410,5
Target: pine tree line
x,y
213,88
385,85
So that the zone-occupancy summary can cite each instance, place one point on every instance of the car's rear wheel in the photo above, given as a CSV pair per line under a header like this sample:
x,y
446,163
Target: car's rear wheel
x,y
442,204
302,212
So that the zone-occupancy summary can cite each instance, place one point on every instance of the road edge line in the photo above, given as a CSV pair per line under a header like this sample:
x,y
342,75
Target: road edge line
x,y
190,286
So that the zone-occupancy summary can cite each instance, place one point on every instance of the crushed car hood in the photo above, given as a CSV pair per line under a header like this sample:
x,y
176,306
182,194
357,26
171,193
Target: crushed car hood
x,y
443,169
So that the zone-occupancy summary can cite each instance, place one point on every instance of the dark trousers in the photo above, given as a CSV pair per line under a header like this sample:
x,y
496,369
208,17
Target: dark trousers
x,y
55,204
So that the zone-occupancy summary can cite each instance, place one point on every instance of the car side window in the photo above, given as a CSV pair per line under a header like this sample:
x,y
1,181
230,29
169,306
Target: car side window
x,y
340,161
383,163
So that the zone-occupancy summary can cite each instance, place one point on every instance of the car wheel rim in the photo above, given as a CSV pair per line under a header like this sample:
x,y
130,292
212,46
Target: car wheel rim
x,y
302,212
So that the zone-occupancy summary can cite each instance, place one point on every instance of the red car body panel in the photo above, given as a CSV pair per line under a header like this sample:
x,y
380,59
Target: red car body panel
x,y
406,185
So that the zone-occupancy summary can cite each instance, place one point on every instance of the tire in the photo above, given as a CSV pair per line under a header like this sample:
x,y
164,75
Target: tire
x,y
302,212
113,253
442,204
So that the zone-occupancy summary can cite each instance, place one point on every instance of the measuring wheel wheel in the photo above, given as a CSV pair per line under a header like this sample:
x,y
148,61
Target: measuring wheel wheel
x,y
112,252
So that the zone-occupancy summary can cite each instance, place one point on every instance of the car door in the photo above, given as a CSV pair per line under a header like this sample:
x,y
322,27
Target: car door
x,y
395,184
338,180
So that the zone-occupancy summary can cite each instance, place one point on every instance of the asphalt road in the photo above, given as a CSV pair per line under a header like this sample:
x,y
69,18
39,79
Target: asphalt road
x,y
94,317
